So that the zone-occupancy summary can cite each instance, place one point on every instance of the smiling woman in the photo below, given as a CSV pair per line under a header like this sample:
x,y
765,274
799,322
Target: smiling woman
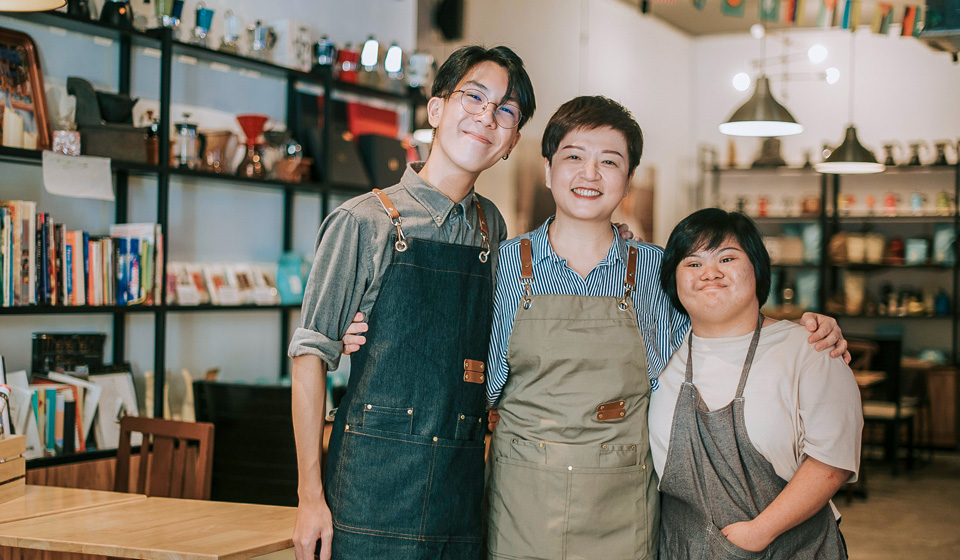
x,y
751,394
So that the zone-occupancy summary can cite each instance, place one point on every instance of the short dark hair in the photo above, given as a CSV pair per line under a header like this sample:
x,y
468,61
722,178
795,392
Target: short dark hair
x,y
463,59
589,112
707,229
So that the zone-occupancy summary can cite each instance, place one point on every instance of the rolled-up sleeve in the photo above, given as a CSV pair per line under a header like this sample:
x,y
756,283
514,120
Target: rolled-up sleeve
x,y
335,287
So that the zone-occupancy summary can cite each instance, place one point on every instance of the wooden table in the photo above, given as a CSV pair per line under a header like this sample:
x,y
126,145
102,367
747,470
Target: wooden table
x,y
868,378
38,501
158,528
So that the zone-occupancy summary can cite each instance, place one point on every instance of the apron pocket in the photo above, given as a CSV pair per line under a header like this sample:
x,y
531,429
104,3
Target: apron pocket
x,y
388,418
453,511
382,480
608,515
722,549
469,428
526,512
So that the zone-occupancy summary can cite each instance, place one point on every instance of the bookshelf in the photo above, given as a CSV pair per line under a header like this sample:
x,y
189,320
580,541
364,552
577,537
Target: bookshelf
x,y
171,52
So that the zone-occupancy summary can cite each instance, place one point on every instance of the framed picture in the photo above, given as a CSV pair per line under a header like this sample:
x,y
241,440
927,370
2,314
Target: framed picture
x,y
24,120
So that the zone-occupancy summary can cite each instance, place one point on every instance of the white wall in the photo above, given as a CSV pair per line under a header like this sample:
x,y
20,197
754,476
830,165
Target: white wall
x,y
589,47
209,222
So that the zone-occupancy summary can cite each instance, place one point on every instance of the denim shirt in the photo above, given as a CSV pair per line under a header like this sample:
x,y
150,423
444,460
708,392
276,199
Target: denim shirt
x,y
354,249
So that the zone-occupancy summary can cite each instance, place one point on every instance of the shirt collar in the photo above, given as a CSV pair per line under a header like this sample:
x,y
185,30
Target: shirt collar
x,y
542,249
435,202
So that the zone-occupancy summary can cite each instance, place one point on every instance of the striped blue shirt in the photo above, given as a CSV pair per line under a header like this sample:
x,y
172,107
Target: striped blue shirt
x,y
663,327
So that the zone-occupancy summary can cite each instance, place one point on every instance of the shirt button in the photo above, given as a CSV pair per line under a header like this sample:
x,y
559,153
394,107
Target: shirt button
x,y
435,438
570,468
369,406
409,411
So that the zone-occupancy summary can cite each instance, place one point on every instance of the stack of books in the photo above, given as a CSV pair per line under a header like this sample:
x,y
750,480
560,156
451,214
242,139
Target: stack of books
x,y
44,263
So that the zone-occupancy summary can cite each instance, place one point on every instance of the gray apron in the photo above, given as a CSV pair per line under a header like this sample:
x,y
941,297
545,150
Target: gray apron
x,y
571,476
714,476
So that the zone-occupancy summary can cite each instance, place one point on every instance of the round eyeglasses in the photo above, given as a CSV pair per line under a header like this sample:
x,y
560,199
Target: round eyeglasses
x,y
475,102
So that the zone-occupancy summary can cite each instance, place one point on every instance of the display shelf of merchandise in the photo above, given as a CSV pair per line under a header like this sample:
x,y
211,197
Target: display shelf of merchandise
x,y
228,308
89,27
904,219
109,309
35,157
785,219
76,309
881,266
897,317
783,170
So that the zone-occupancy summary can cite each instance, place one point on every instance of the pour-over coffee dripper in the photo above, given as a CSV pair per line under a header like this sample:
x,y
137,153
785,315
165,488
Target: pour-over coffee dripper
x,y
252,164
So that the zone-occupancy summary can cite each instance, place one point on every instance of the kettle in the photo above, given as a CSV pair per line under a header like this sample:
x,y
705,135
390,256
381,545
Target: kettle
x,y
117,13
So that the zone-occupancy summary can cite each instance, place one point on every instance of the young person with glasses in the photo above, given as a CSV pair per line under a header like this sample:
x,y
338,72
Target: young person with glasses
x,y
404,471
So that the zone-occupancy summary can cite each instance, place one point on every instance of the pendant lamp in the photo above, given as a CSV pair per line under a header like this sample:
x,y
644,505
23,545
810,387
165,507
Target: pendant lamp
x,y
30,5
850,157
761,115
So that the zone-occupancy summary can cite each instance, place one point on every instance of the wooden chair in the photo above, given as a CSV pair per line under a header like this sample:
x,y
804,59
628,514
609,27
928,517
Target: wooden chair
x,y
176,458
892,409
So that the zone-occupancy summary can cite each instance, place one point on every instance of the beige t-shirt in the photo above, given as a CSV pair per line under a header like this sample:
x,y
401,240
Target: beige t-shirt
x,y
797,402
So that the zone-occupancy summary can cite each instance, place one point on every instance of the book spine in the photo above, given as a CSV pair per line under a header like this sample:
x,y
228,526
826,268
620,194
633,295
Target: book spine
x,y
50,403
68,268
85,293
52,262
39,261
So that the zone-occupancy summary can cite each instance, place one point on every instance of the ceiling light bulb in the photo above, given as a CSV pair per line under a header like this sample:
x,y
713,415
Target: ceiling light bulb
x,y
741,81
817,54
369,54
393,63
757,31
833,75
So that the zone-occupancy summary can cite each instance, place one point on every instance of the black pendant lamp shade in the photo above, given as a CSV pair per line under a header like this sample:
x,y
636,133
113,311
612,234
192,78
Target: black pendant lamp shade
x,y
761,115
850,157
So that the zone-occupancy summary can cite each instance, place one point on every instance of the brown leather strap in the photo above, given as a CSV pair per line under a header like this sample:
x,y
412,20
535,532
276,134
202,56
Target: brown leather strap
x,y
632,269
613,405
473,365
387,204
473,377
526,259
483,219
609,415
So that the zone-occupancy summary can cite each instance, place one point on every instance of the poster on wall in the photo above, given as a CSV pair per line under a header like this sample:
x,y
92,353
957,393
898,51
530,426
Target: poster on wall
x,y
24,121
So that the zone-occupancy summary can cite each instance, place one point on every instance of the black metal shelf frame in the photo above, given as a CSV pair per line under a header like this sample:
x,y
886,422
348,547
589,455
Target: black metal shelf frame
x,y
169,47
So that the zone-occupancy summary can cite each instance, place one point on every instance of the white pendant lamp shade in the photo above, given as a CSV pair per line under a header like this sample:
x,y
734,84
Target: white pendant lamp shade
x,y
30,5
850,157
761,115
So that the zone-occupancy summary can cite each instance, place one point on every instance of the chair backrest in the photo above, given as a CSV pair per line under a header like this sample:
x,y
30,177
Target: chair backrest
x,y
861,353
256,456
176,458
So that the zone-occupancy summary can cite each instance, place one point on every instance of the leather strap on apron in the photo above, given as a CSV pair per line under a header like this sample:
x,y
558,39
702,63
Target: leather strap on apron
x,y
401,243
714,477
526,274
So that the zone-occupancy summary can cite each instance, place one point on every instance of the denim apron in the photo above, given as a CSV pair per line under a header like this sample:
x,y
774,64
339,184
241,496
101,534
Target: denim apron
x,y
404,475
571,475
714,476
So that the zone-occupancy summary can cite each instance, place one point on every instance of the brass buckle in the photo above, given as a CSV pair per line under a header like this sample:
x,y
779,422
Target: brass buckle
x,y
401,244
484,248
527,295
623,305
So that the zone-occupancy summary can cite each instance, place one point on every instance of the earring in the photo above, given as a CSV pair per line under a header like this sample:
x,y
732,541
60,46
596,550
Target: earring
x,y
504,158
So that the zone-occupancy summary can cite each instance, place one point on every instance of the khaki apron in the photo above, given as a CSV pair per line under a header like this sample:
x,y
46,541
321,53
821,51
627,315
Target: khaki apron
x,y
571,476
714,476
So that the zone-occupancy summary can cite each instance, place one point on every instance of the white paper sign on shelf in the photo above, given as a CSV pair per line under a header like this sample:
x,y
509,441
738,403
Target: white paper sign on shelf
x,y
77,176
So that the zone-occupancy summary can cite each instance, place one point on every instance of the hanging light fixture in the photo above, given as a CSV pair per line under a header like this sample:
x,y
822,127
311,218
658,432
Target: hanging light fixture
x,y
762,114
850,157
31,5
